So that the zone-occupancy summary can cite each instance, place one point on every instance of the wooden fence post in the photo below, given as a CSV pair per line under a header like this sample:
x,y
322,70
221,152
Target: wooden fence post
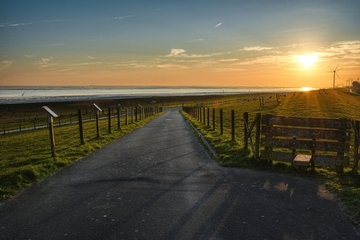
x,y
109,119
208,116
246,123
132,115
356,126
204,115
136,114
257,136
221,122
213,118
232,125
127,117
118,115
81,131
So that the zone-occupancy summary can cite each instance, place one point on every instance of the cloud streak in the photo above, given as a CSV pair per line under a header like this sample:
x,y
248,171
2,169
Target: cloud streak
x,y
256,48
5,64
218,25
175,52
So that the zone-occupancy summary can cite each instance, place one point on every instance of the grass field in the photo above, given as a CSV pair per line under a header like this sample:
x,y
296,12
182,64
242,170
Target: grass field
x,y
333,103
25,157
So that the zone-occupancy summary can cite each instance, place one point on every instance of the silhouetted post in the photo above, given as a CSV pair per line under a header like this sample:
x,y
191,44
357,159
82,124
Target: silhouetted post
x,y
208,116
81,131
118,115
204,115
246,123
109,119
97,110
221,122
257,138
232,125
213,118
139,107
132,115
50,116
127,117
356,126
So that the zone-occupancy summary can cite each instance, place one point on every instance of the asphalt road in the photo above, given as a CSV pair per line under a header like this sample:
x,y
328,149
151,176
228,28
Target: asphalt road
x,y
158,183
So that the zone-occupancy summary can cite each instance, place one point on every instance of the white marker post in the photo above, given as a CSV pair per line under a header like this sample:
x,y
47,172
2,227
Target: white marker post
x,y
97,110
51,115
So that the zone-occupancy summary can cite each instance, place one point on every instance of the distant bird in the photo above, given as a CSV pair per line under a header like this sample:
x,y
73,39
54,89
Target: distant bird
x,y
23,94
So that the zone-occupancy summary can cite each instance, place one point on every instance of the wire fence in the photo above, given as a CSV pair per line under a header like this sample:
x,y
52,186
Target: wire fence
x,y
32,145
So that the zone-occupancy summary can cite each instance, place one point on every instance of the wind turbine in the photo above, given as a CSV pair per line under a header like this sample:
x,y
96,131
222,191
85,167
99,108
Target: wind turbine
x,y
335,73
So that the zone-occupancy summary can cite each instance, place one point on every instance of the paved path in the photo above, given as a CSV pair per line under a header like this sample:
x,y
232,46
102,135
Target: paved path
x,y
159,183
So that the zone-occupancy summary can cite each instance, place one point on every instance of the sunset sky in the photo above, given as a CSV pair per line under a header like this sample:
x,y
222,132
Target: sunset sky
x,y
288,43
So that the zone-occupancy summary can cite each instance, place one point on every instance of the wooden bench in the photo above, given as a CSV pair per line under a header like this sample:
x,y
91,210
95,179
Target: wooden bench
x,y
306,142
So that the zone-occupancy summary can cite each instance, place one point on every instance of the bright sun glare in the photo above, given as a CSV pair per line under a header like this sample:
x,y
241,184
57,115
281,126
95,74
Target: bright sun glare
x,y
306,89
307,60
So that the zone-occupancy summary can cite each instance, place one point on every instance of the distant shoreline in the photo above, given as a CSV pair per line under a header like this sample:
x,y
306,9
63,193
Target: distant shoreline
x,y
67,94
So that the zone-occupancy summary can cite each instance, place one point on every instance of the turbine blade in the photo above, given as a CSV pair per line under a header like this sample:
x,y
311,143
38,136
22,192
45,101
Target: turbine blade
x,y
337,75
336,67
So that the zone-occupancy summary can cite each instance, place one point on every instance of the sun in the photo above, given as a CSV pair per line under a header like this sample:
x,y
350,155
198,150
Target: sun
x,y
306,89
307,60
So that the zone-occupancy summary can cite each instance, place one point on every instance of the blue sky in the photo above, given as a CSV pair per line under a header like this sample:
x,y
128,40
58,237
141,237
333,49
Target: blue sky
x,y
192,43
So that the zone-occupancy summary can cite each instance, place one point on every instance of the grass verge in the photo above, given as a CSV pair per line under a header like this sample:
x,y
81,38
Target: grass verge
x,y
345,187
26,156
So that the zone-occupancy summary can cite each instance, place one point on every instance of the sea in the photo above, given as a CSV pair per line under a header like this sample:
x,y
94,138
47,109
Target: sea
x,y
20,95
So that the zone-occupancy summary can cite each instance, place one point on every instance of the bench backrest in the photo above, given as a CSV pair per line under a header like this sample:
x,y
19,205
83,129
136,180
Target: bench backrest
x,y
327,140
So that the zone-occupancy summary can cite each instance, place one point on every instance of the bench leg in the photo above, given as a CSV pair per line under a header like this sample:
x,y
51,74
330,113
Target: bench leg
x,y
339,169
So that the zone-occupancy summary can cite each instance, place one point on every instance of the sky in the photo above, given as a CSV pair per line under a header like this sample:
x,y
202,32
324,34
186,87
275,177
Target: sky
x,y
279,43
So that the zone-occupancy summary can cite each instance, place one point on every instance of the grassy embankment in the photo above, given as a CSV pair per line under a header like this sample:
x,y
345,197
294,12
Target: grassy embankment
x,y
338,103
25,157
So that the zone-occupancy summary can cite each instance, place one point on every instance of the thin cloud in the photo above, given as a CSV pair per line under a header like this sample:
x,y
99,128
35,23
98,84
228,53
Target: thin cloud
x,y
5,64
175,52
171,66
256,48
14,24
229,69
217,25
228,60
91,57
119,18
133,64
181,53
44,62
29,56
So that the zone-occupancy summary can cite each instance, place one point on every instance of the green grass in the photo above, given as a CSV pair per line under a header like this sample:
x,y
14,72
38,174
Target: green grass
x,y
334,103
25,157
